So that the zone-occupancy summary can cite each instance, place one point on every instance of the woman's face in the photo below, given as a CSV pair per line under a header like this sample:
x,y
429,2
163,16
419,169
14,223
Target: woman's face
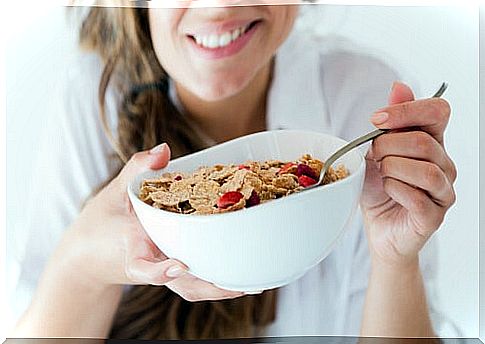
x,y
215,52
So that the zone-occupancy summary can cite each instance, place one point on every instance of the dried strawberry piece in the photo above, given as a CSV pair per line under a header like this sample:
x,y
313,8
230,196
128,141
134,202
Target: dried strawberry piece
x,y
243,167
228,199
306,181
253,199
305,170
286,167
177,178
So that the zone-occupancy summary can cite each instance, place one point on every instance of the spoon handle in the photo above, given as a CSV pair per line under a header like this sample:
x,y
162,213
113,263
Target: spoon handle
x,y
348,147
363,139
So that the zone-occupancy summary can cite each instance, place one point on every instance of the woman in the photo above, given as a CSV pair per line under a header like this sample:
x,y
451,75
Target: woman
x,y
191,78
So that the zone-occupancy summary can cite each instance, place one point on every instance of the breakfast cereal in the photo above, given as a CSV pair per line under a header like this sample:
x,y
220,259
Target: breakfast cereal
x,y
224,188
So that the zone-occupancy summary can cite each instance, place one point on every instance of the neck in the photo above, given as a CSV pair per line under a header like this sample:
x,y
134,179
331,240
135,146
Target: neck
x,y
238,115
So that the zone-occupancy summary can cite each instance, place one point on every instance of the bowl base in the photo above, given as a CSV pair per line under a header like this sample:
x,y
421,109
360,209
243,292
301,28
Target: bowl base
x,y
258,288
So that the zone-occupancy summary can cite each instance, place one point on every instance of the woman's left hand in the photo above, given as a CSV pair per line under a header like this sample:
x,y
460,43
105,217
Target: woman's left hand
x,y
409,177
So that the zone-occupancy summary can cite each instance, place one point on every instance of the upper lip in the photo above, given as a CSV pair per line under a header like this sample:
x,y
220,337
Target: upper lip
x,y
218,28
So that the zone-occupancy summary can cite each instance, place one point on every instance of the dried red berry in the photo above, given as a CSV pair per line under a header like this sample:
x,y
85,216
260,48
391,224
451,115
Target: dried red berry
x,y
177,178
228,199
244,167
253,199
305,170
286,167
306,181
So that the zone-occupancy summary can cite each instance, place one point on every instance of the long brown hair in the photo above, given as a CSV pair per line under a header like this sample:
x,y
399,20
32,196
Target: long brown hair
x,y
147,117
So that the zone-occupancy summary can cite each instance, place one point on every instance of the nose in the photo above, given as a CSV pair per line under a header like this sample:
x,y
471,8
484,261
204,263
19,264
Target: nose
x,y
224,3
219,3
229,3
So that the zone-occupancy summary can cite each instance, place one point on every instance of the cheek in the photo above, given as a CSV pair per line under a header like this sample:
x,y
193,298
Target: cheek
x,y
283,21
163,31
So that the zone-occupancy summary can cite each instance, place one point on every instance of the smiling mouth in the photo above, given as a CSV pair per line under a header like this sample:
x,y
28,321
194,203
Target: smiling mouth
x,y
215,41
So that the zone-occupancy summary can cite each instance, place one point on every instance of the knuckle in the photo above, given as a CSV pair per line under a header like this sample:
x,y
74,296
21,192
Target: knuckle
x,y
453,172
433,176
440,109
424,142
435,109
453,197
444,107
402,110
388,184
386,165
404,107
382,144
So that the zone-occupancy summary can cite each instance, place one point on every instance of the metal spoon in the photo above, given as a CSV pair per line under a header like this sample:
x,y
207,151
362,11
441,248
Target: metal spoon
x,y
357,142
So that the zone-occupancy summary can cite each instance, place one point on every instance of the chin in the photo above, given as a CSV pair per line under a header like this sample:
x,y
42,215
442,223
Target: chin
x,y
219,91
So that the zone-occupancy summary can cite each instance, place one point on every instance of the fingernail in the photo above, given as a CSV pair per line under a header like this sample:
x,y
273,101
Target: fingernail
x,y
253,292
175,271
158,149
379,118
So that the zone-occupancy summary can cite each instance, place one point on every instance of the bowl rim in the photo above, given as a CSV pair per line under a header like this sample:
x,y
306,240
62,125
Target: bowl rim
x,y
161,212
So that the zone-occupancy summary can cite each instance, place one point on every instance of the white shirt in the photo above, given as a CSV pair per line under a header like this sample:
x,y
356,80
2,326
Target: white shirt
x,y
318,84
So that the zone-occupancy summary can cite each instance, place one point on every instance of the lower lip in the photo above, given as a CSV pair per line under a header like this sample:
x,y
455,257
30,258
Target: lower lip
x,y
229,50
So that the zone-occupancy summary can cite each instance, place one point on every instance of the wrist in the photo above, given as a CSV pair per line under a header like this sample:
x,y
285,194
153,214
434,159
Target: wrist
x,y
73,265
395,303
403,267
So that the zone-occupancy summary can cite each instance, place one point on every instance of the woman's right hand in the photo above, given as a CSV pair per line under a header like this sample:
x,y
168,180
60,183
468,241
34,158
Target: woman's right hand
x,y
106,245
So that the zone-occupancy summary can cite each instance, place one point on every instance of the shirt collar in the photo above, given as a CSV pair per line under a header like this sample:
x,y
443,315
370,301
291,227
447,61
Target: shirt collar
x,y
296,99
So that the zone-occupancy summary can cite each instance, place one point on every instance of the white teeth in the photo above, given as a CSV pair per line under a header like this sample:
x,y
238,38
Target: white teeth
x,y
235,34
225,39
204,41
217,41
213,41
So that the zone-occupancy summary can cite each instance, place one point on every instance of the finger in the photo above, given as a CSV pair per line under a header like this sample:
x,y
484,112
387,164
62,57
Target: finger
x,y
158,157
255,292
430,115
194,289
426,215
413,144
400,93
422,174
143,271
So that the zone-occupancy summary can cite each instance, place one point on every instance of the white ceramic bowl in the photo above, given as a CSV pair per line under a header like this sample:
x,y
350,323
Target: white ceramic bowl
x,y
268,245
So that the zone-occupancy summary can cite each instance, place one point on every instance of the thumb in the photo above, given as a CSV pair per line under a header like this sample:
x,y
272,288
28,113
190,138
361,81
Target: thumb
x,y
156,158
400,93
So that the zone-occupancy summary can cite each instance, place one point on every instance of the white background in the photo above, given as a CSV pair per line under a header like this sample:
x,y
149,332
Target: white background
x,y
430,44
